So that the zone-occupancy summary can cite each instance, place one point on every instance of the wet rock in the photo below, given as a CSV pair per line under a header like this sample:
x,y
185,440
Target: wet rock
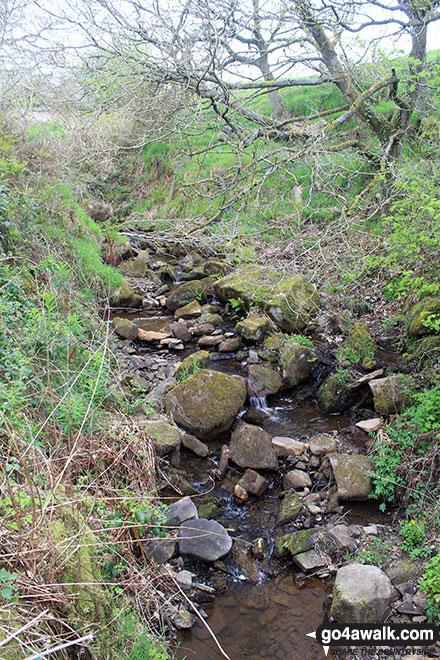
x,y
195,445
166,437
180,331
297,479
259,548
391,394
230,345
370,425
359,346
253,483
311,560
290,508
255,416
253,328
125,328
241,493
160,550
322,444
183,509
351,473
297,360
180,618
188,292
177,480
251,447
206,403
288,446
197,360
418,323
287,299
297,542
208,506
361,594
172,343
190,311
152,335
184,579
253,357
263,381
124,296
204,539
343,539
333,395
403,570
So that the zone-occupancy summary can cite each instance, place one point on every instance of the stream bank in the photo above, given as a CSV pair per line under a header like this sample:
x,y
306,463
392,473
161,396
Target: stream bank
x,y
312,478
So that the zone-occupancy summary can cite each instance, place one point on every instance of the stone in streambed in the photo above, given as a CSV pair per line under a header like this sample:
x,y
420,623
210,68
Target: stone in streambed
x,y
253,328
204,539
206,403
251,447
166,437
124,296
351,473
180,331
253,483
288,446
297,360
391,394
297,479
125,328
190,311
361,594
197,360
263,381
290,508
181,510
333,395
160,550
230,345
297,542
188,292
427,308
322,444
195,445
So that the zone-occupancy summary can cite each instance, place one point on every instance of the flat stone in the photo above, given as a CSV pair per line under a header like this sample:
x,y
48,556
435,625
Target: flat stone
x,y
253,483
195,445
297,479
165,437
151,335
351,474
210,340
181,510
190,311
361,594
370,425
342,538
251,448
322,444
230,345
288,446
202,329
370,530
204,539
408,607
311,560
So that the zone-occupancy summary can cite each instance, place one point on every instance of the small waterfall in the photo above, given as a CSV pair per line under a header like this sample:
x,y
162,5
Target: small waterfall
x,y
259,402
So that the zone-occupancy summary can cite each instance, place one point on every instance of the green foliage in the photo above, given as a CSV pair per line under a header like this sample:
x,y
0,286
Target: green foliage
x,y
189,370
376,554
412,229
135,642
430,585
342,376
301,339
8,588
413,533
405,441
239,308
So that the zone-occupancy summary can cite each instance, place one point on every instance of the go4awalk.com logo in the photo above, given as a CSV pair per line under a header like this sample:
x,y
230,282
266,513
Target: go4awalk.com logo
x,y
382,634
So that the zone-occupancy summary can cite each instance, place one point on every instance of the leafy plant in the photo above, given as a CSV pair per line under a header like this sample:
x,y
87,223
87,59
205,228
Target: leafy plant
x,y
413,533
301,339
239,308
430,585
8,588
376,554
189,370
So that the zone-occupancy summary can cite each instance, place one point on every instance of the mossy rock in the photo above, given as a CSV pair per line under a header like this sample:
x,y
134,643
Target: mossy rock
x,y
165,437
391,394
216,267
352,475
359,347
125,328
186,293
124,296
208,506
190,311
197,360
297,542
288,300
253,328
361,594
207,402
298,361
134,267
420,315
263,381
290,508
333,395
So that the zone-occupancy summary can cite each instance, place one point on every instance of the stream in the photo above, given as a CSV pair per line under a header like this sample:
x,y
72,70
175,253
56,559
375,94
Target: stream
x,y
261,611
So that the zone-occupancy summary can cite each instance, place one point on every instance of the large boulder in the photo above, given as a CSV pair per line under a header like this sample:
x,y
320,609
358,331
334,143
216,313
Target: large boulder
x,y
253,328
186,293
263,380
333,394
204,539
206,403
361,594
125,328
351,473
251,447
287,299
420,316
297,360
391,394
